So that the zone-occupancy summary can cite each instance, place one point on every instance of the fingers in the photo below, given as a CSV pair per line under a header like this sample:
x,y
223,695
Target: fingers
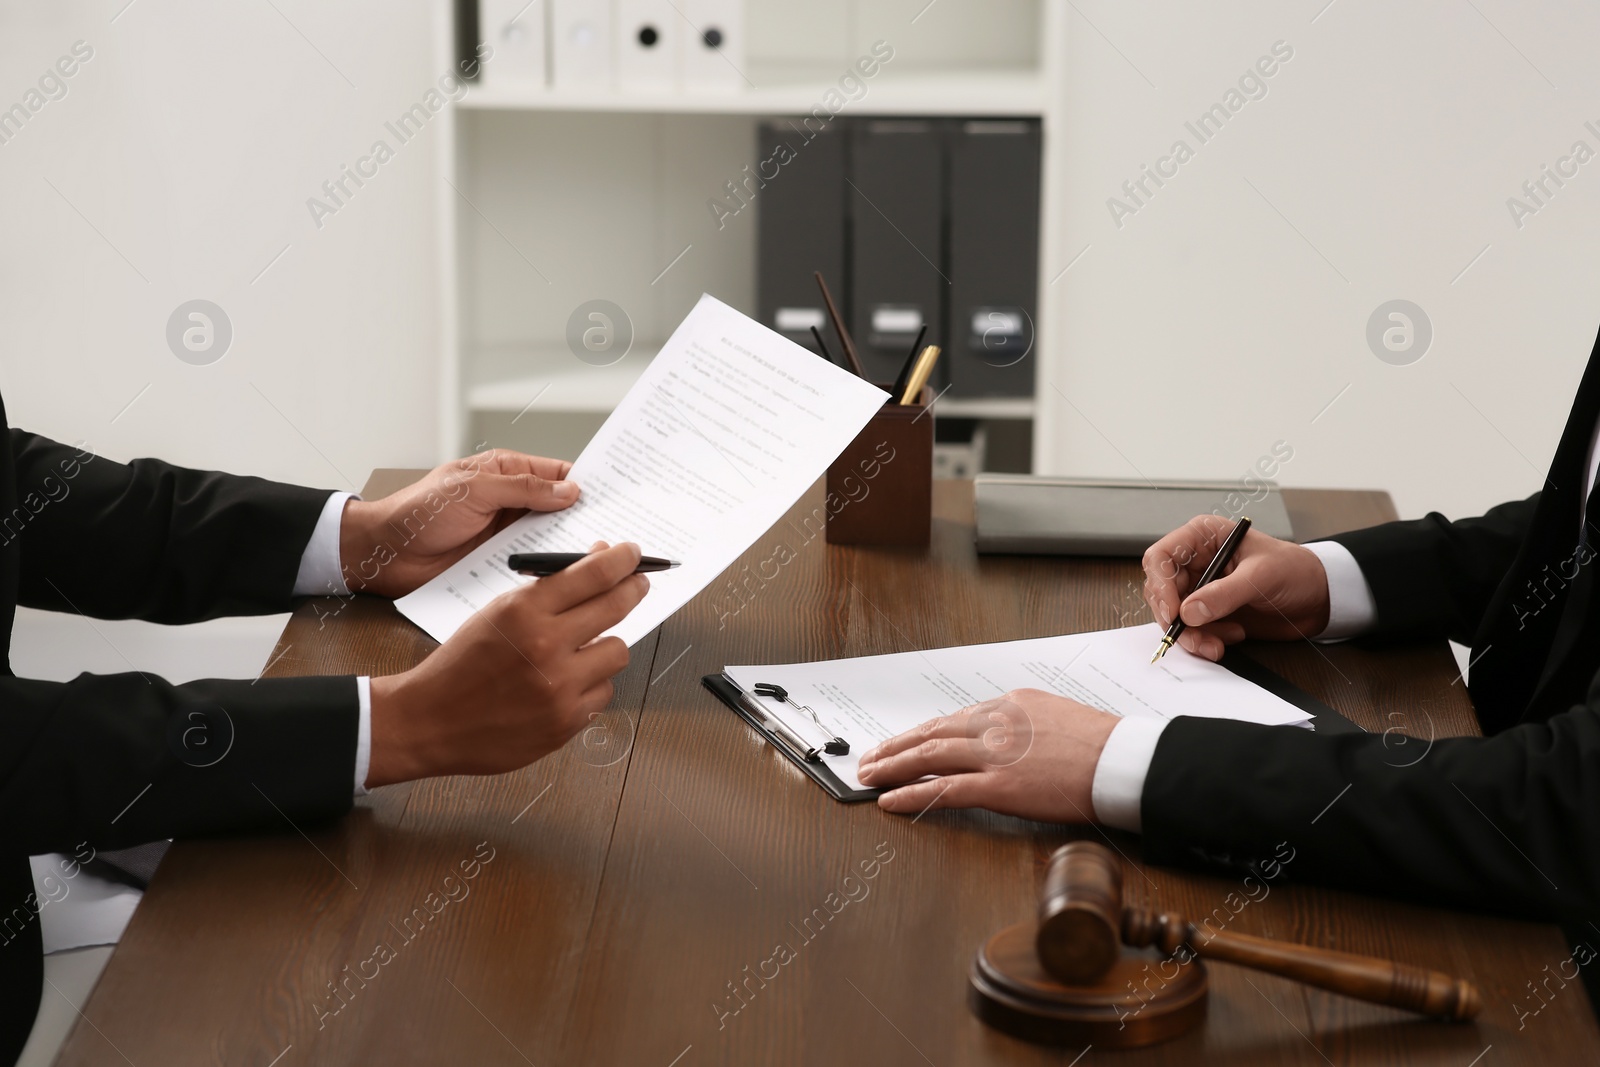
x,y
1189,546
939,746
595,699
942,755
525,491
507,461
600,662
584,710
953,725
554,470
585,579
586,621
1228,631
957,791
1201,643
1211,641
1171,564
1222,596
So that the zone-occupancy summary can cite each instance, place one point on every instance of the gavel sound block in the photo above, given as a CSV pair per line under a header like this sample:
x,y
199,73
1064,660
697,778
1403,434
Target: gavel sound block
x,y
1069,978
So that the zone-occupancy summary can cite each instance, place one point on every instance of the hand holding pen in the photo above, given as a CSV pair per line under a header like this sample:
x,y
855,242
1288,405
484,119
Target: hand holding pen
x,y
544,564
1275,591
1223,557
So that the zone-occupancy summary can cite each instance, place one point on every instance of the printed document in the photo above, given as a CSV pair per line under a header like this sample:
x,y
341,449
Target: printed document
x,y
870,699
724,431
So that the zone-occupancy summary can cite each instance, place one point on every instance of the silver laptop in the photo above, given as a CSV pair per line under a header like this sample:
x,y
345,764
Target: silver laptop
x,y
1024,514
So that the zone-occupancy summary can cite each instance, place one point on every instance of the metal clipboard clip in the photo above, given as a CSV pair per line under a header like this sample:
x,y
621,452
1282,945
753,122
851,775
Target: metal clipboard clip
x,y
835,746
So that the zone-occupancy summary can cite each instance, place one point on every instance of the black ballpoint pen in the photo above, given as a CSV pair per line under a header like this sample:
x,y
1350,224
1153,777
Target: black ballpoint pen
x,y
822,349
1214,568
544,564
911,361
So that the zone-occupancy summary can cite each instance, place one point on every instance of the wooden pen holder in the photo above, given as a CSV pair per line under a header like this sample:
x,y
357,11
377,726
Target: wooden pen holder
x,y
880,489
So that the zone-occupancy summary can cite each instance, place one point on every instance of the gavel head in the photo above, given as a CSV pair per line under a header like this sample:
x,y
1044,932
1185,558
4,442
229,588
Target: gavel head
x,y
1080,913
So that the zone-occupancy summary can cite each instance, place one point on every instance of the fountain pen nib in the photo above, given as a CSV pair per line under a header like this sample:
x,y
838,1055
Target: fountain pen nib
x,y
1166,643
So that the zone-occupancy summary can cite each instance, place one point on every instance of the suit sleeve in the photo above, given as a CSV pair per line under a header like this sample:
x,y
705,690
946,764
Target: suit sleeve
x,y
116,760
1433,578
1509,823
149,540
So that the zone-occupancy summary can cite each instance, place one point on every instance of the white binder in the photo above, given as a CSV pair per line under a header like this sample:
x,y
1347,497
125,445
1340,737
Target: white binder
x,y
580,43
515,29
713,52
649,34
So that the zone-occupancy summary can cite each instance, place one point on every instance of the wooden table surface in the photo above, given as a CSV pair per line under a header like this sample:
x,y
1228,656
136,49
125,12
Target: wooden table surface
x,y
623,887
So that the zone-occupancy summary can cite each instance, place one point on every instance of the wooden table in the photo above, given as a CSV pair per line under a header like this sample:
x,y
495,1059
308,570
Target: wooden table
x,y
636,875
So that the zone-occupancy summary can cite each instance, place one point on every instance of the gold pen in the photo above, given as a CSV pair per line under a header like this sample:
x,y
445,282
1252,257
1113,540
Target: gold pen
x,y
920,373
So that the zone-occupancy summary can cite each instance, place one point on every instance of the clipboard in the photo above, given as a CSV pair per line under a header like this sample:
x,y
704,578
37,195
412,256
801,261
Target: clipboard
x,y
816,770
1324,720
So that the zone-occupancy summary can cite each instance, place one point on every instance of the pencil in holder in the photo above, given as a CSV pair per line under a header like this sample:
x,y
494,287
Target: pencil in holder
x,y
880,489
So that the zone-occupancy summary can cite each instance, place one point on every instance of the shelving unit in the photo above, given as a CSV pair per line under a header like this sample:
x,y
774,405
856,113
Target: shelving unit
x,y
795,90
550,197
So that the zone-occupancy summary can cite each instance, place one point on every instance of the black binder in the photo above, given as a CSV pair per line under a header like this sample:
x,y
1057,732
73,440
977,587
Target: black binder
x,y
800,225
1324,720
994,257
897,279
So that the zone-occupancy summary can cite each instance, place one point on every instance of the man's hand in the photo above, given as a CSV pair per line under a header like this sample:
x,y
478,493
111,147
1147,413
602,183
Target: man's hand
x,y
516,682
1028,753
1271,589
393,545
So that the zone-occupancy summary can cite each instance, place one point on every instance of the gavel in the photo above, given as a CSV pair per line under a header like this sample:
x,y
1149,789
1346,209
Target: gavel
x,y
1083,926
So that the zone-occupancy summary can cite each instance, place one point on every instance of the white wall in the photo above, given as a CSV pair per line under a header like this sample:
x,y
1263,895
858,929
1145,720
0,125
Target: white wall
x,y
191,142
1190,339
1206,328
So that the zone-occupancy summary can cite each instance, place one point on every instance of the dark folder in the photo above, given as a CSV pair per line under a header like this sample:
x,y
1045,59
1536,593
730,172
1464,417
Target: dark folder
x,y
800,226
897,279
994,257
1324,720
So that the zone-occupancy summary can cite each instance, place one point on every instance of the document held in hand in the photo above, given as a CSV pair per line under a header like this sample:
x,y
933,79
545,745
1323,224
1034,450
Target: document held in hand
x,y
870,699
727,427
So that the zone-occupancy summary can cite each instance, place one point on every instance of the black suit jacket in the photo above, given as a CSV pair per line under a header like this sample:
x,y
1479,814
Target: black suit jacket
x,y
1509,822
111,761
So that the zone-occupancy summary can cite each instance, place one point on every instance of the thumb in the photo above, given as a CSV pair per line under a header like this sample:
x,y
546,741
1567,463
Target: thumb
x,y
1219,598
526,491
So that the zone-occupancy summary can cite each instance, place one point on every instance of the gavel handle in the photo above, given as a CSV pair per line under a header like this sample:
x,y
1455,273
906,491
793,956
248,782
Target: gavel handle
x,y
1367,978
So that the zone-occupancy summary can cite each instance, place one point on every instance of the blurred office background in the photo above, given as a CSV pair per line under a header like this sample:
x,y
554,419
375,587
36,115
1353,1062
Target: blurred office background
x,y
1185,327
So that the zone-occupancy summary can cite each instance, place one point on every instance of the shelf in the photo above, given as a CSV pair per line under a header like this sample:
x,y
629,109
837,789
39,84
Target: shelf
x,y
553,380
985,407
793,91
550,380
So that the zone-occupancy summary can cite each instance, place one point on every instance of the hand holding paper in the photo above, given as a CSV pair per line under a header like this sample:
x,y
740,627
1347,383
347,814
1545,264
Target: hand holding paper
x,y
724,431
719,437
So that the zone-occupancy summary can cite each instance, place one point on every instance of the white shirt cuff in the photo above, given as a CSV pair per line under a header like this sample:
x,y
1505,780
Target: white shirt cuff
x,y
321,571
363,733
1120,774
1351,608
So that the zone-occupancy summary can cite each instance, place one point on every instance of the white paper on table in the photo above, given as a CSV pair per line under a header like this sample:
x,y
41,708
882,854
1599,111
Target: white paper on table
x,y
719,437
82,910
870,699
